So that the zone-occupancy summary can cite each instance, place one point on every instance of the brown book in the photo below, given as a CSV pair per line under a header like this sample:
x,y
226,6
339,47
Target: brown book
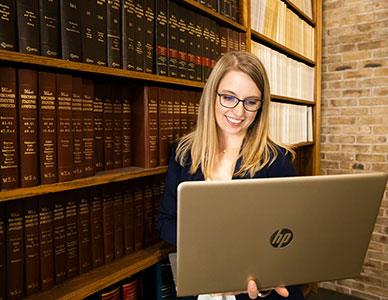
x,y
77,128
149,16
31,244
191,115
111,295
235,36
113,33
71,234
172,39
128,217
88,31
15,249
161,37
28,26
126,127
139,39
163,129
230,40
96,227
8,25
118,221
117,127
128,34
170,116
84,243
156,194
223,40
138,203
59,225
70,16
242,41
49,28
176,115
64,127
9,150
88,127
145,127
28,127
47,128
100,30
148,213
206,49
191,45
182,42
3,253
184,120
199,47
108,128
98,121
108,223
46,241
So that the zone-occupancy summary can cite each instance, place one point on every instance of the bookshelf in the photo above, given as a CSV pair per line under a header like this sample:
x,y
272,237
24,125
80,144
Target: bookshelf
x,y
308,152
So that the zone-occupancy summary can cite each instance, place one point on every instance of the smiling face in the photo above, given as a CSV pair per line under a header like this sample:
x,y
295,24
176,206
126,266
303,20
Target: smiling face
x,y
234,122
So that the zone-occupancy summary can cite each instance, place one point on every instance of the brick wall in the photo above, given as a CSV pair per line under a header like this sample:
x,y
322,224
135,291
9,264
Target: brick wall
x,y
354,129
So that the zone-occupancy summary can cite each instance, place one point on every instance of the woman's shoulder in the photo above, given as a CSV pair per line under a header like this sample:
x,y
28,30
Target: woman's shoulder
x,y
280,163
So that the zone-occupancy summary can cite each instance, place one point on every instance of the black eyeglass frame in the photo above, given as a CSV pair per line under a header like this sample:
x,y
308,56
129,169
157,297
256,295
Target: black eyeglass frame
x,y
240,100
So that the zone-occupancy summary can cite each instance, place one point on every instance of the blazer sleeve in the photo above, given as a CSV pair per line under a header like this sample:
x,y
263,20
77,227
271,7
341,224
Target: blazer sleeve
x,y
282,166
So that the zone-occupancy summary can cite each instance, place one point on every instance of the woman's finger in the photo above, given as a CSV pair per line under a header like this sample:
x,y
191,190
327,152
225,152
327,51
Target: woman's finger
x,y
282,291
252,289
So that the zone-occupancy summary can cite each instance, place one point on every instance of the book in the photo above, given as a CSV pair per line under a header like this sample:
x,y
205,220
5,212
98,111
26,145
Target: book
x,y
96,227
148,214
182,42
28,127
139,39
88,127
126,127
172,39
128,34
88,31
28,26
77,128
84,224
3,253
108,127
113,33
72,257
128,217
9,149
15,249
70,16
98,126
64,127
156,194
108,223
59,229
163,128
161,36
138,204
149,16
100,30
8,37
191,45
111,295
118,220
47,115
198,23
117,127
31,244
49,28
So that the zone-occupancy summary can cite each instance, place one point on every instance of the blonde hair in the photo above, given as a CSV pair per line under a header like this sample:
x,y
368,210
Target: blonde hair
x,y
201,145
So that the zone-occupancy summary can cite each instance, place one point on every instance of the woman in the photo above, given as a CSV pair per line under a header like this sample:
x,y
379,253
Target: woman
x,y
230,141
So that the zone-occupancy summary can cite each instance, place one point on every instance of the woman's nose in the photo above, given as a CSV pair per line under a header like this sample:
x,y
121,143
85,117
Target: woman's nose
x,y
239,109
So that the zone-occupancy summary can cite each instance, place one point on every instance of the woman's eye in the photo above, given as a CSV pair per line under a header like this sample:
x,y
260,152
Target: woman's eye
x,y
251,102
229,98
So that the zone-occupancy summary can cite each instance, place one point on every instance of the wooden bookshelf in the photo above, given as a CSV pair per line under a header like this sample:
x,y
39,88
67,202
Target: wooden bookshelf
x,y
301,145
97,279
277,98
299,12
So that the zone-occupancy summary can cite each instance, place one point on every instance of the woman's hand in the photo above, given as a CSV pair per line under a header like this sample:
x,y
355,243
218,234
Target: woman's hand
x,y
253,291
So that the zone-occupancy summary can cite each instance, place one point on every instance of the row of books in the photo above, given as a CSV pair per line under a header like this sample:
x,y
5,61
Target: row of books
x,y
58,127
47,240
276,21
228,8
291,123
287,76
305,6
149,36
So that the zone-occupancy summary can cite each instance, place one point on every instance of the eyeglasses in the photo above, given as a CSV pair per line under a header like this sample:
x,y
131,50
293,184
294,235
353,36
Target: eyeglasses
x,y
250,104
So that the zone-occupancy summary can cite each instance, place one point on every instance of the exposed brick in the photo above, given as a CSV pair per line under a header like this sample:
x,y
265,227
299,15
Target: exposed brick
x,y
346,139
371,139
354,111
356,92
355,148
371,120
380,149
380,130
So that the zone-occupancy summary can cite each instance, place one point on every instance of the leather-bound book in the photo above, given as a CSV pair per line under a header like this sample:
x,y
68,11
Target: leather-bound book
x,y
84,224
199,47
223,40
230,40
96,227
212,35
15,249
172,39
88,31
182,42
70,15
112,294
108,223
47,99
46,241
117,127
155,206
28,127
113,32
128,34
100,15
118,221
49,28
206,49
191,115
236,46
9,149
242,37
184,121
126,127
64,127
3,256
176,115
72,256
129,220
98,121
28,26
161,36
59,228
8,33
139,36
234,9
108,128
145,127
149,16
163,129
77,128
138,202
88,126
31,244
191,45
148,213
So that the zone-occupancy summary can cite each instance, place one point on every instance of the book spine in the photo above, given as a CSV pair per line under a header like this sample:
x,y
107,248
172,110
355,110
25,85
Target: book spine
x,y
3,256
161,36
184,120
8,25
15,249
88,127
88,31
77,128
126,128
28,26
170,116
72,256
98,121
149,16
163,128
100,50
138,202
64,128
49,28
31,240
199,47
108,128
139,36
182,42
118,222
28,127
128,210
206,50
96,228
9,149
191,49
128,34
113,33
117,128
71,30
176,115
148,214
223,40
47,128
46,242
108,224
172,40
59,226
84,242
156,194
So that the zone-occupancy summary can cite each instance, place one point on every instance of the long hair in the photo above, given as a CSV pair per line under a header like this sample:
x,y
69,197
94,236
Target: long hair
x,y
258,148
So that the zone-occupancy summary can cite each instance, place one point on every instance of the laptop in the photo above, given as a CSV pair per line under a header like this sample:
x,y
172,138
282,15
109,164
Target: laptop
x,y
280,231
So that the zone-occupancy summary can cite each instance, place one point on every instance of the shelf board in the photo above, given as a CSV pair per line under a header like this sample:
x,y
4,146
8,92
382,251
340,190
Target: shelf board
x,y
215,15
277,98
261,38
104,177
56,63
299,12
301,145
97,279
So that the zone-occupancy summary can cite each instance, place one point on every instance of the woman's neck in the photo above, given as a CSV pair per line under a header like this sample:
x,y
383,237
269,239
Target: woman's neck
x,y
230,144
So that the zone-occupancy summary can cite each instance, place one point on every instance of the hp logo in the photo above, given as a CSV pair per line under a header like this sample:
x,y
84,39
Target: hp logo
x,y
281,238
